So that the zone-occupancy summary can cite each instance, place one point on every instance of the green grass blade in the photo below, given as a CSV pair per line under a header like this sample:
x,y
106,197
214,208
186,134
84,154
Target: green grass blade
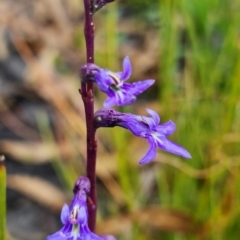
x,y
2,199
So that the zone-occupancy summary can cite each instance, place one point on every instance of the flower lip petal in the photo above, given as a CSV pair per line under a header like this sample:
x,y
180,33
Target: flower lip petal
x,y
171,147
127,69
57,236
119,98
138,87
110,102
151,153
89,235
125,98
154,115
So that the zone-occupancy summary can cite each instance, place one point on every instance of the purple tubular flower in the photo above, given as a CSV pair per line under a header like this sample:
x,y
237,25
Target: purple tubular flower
x,y
113,84
145,127
75,217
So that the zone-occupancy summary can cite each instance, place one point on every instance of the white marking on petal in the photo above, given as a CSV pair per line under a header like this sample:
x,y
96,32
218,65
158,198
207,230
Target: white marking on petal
x,y
116,79
73,218
155,136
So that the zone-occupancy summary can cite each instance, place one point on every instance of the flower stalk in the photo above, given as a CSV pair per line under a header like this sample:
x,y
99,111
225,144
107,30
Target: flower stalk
x,y
88,101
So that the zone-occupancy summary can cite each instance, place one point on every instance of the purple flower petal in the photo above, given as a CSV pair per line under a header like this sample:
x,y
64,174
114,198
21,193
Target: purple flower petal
x,y
65,214
122,97
137,87
82,215
103,80
119,99
171,147
59,236
134,127
108,237
56,236
128,100
166,128
93,236
127,69
109,102
151,153
149,121
154,115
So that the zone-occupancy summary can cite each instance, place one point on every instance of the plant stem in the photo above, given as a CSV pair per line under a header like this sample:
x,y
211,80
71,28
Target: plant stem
x,y
88,101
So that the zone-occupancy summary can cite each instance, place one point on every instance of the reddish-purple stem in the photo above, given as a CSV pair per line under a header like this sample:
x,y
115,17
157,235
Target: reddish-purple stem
x,y
88,100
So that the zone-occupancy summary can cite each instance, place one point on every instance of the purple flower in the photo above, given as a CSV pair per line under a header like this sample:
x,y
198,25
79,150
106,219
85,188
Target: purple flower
x,y
75,216
113,84
145,127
